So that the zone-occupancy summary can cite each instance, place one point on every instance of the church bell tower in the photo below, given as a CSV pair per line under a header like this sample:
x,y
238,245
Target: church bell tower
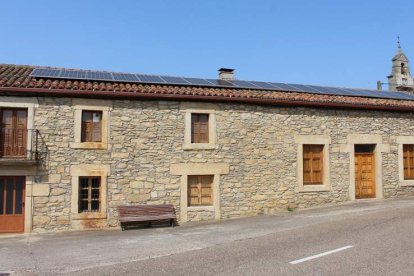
x,y
400,78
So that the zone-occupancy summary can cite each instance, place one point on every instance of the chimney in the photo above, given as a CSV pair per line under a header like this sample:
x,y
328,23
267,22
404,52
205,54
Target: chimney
x,y
226,74
379,85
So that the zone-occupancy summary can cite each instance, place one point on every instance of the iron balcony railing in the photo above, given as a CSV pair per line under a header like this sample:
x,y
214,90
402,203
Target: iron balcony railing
x,y
20,144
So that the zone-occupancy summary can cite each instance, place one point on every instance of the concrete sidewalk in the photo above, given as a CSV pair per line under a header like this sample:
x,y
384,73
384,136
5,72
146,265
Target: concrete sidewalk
x,y
68,252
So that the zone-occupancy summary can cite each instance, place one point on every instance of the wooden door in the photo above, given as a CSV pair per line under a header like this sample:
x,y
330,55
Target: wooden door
x,y
12,196
364,175
13,139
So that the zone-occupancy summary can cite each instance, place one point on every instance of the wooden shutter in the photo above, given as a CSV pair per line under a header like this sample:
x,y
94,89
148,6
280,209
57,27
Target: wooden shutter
x,y
199,128
408,160
21,132
86,126
200,192
13,132
91,126
193,192
312,164
96,126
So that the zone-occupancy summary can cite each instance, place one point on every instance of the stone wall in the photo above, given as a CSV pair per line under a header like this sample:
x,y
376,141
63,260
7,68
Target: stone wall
x,y
146,137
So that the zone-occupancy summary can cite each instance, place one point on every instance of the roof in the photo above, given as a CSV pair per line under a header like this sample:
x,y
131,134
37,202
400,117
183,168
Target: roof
x,y
400,55
16,80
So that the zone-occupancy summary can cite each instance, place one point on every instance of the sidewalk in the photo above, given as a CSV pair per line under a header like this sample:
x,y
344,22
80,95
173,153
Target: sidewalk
x,y
74,251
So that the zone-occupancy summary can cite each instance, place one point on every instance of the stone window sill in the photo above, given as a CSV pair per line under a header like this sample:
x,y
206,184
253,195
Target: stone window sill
x,y
407,183
314,188
201,208
89,145
199,146
81,216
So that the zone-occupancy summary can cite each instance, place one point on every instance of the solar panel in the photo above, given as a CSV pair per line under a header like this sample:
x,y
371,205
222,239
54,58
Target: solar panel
x,y
75,74
125,77
46,72
283,86
217,82
244,84
403,95
343,92
273,86
150,78
263,85
198,81
174,80
395,95
95,75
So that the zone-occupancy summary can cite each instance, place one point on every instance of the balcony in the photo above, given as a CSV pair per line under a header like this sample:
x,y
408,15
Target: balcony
x,y
21,146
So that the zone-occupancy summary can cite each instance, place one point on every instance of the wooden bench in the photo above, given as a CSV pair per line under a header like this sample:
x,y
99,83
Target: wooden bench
x,y
129,215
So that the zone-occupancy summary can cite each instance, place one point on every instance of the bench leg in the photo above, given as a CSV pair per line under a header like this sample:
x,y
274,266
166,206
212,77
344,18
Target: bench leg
x,y
123,227
172,223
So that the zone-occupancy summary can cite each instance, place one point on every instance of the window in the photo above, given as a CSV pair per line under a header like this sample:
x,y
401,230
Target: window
x,y
199,128
91,126
312,164
200,192
408,161
91,123
89,194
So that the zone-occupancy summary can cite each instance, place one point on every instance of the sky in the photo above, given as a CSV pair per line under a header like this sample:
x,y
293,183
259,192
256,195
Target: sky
x,y
344,43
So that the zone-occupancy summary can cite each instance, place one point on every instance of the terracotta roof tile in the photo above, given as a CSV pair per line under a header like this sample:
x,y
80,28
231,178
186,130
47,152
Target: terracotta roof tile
x,y
18,76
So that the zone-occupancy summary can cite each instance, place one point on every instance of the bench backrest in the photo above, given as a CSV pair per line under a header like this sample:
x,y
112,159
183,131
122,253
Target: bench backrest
x,y
145,210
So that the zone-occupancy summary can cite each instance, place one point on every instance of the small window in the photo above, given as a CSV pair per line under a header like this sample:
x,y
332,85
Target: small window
x,y
408,159
89,194
199,128
200,192
312,164
91,126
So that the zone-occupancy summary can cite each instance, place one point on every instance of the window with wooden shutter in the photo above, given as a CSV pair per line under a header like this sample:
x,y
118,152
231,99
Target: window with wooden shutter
x,y
312,164
199,128
408,156
91,126
89,194
200,191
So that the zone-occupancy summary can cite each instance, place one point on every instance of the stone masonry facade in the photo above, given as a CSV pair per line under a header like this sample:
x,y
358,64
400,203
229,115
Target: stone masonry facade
x,y
257,143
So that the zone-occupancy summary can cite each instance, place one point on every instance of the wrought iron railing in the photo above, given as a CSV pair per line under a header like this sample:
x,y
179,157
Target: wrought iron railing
x,y
20,144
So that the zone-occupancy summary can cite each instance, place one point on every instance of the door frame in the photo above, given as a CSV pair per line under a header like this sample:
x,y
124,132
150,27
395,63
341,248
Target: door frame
x,y
373,168
355,139
31,103
23,214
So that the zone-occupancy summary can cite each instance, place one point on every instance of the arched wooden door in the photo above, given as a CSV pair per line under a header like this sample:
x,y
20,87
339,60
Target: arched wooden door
x,y
12,196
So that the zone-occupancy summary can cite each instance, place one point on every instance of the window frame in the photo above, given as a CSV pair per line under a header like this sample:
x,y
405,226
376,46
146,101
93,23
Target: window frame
x,y
80,105
196,128
91,139
401,141
184,170
211,144
89,199
310,148
89,170
323,140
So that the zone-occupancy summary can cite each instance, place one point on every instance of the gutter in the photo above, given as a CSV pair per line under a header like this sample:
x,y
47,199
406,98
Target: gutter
x,y
15,91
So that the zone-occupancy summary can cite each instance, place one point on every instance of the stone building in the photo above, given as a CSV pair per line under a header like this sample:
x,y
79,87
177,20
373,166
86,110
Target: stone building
x,y
75,144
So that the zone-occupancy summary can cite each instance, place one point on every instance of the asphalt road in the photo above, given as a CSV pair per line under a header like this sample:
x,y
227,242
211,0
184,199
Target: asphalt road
x,y
362,238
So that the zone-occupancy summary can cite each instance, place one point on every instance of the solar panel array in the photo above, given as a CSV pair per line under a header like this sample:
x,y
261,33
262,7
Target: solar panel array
x,y
154,79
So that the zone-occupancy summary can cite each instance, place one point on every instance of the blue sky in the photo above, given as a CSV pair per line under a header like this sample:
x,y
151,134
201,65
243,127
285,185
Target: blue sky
x,y
324,42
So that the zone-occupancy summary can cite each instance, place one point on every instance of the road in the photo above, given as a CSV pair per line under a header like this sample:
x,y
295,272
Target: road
x,y
373,237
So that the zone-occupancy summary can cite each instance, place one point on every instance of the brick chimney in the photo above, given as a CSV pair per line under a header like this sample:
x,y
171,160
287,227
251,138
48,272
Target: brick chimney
x,y
226,74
